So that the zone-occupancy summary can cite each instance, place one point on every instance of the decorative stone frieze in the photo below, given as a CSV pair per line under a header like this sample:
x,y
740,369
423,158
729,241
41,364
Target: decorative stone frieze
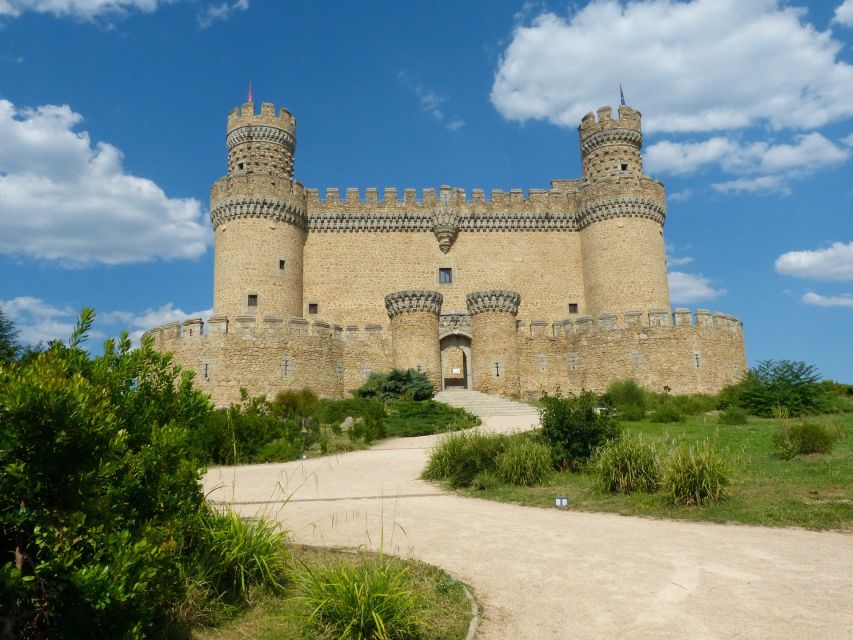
x,y
494,300
612,136
625,207
260,133
289,212
413,300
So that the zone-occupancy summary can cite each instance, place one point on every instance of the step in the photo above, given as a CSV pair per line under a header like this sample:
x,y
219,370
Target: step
x,y
484,405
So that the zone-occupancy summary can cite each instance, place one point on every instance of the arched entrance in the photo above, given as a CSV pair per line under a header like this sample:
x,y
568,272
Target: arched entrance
x,y
456,362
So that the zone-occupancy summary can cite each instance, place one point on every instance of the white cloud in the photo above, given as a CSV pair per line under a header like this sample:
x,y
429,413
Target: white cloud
x,y
431,102
680,196
686,288
832,263
64,198
843,300
138,323
80,9
844,13
764,185
221,12
704,65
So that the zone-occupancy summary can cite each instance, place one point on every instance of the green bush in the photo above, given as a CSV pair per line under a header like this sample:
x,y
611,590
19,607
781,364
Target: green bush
x,y
397,384
278,450
368,600
734,416
299,403
626,466
793,385
461,457
629,399
630,412
696,476
803,438
525,462
666,413
575,426
408,418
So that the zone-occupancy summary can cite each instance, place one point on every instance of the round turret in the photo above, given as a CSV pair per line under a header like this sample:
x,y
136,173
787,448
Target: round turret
x,y
263,142
494,350
414,331
611,148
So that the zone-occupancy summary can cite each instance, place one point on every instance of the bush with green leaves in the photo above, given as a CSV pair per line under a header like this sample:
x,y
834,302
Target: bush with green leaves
x,y
575,426
733,415
366,600
803,438
628,398
461,457
407,418
397,384
667,413
9,347
627,466
525,462
696,475
795,386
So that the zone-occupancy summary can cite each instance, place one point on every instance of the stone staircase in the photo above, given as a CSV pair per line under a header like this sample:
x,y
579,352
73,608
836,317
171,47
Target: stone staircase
x,y
484,405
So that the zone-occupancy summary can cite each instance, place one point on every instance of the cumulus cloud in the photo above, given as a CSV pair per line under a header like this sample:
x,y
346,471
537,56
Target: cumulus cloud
x,y
844,13
832,263
431,102
704,65
687,288
843,300
137,323
66,199
221,12
80,9
765,185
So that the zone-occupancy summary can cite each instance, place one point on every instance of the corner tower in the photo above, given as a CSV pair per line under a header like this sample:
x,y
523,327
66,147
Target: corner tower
x,y
621,215
259,218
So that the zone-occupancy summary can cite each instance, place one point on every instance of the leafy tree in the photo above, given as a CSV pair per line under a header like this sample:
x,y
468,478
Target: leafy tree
x,y
9,346
575,426
794,386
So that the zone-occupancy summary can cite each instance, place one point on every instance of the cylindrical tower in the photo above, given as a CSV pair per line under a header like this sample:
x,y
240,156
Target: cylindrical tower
x,y
621,216
494,352
259,219
414,331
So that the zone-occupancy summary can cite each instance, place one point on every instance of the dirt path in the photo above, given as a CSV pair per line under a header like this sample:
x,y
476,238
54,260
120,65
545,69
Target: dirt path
x,y
543,574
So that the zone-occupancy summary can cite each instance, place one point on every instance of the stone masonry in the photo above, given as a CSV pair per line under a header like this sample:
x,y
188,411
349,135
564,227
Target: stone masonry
x,y
513,293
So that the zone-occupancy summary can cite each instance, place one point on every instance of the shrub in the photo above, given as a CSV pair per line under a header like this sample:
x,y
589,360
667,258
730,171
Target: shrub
x,y
792,385
299,403
696,476
524,462
395,385
803,438
734,416
628,398
367,600
573,427
629,412
408,418
667,412
278,450
461,457
626,466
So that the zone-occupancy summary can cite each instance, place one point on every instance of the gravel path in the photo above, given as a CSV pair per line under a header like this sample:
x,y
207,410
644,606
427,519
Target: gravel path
x,y
542,573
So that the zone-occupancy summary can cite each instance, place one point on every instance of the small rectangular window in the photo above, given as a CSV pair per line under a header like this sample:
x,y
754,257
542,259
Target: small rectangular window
x,y
253,300
573,307
445,275
281,265
313,308
624,167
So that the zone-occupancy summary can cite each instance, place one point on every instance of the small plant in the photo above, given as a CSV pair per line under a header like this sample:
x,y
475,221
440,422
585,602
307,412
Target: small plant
x,y
367,600
630,412
667,412
461,457
629,399
525,462
626,466
397,384
734,416
803,438
696,476
574,427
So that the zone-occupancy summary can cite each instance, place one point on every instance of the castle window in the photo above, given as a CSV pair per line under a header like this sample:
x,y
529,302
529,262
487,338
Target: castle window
x,y
206,370
252,300
697,360
573,307
623,166
281,265
313,308
239,166
445,275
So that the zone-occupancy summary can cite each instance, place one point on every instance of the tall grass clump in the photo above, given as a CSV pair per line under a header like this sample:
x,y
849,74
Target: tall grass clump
x,y
627,466
696,476
366,600
460,457
628,398
803,438
525,462
734,416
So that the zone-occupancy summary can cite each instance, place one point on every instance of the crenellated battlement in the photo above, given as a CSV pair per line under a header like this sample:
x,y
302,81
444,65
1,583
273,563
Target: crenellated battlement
x,y
627,119
245,116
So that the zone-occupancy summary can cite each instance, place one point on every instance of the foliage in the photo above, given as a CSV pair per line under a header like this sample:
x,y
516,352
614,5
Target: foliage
x,y
696,475
667,412
461,457
407,418
803,438
9,347
367,600
397,384
524,462
626,466
628,398
793,385
733,415
289,404
573,427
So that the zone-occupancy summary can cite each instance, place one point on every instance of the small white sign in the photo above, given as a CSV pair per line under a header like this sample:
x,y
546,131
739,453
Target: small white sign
x,y
457,370
561,502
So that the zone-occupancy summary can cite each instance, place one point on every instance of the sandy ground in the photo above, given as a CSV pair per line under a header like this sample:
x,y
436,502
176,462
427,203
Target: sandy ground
x,y
541,573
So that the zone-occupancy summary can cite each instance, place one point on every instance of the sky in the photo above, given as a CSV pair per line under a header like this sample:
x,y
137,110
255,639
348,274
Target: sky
x,y
113,112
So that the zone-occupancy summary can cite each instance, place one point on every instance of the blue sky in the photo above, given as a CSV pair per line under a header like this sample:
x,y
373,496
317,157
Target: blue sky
x,y
112,127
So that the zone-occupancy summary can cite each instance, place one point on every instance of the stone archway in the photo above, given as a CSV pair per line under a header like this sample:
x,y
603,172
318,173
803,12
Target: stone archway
x,y
456,362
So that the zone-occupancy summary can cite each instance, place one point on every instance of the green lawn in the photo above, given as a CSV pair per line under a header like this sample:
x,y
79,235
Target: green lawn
x,y
815,491
445,613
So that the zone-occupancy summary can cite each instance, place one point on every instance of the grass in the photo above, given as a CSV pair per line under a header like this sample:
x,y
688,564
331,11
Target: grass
x,y
811,491
408,418
442,601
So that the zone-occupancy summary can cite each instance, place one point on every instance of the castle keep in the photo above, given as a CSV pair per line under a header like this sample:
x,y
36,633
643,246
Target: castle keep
x,y
563,287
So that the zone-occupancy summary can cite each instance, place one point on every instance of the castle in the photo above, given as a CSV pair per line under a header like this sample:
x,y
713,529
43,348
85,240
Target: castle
x,y
565,288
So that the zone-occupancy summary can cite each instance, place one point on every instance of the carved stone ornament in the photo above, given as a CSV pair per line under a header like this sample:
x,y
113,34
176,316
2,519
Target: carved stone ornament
x,y
445,226
413,301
